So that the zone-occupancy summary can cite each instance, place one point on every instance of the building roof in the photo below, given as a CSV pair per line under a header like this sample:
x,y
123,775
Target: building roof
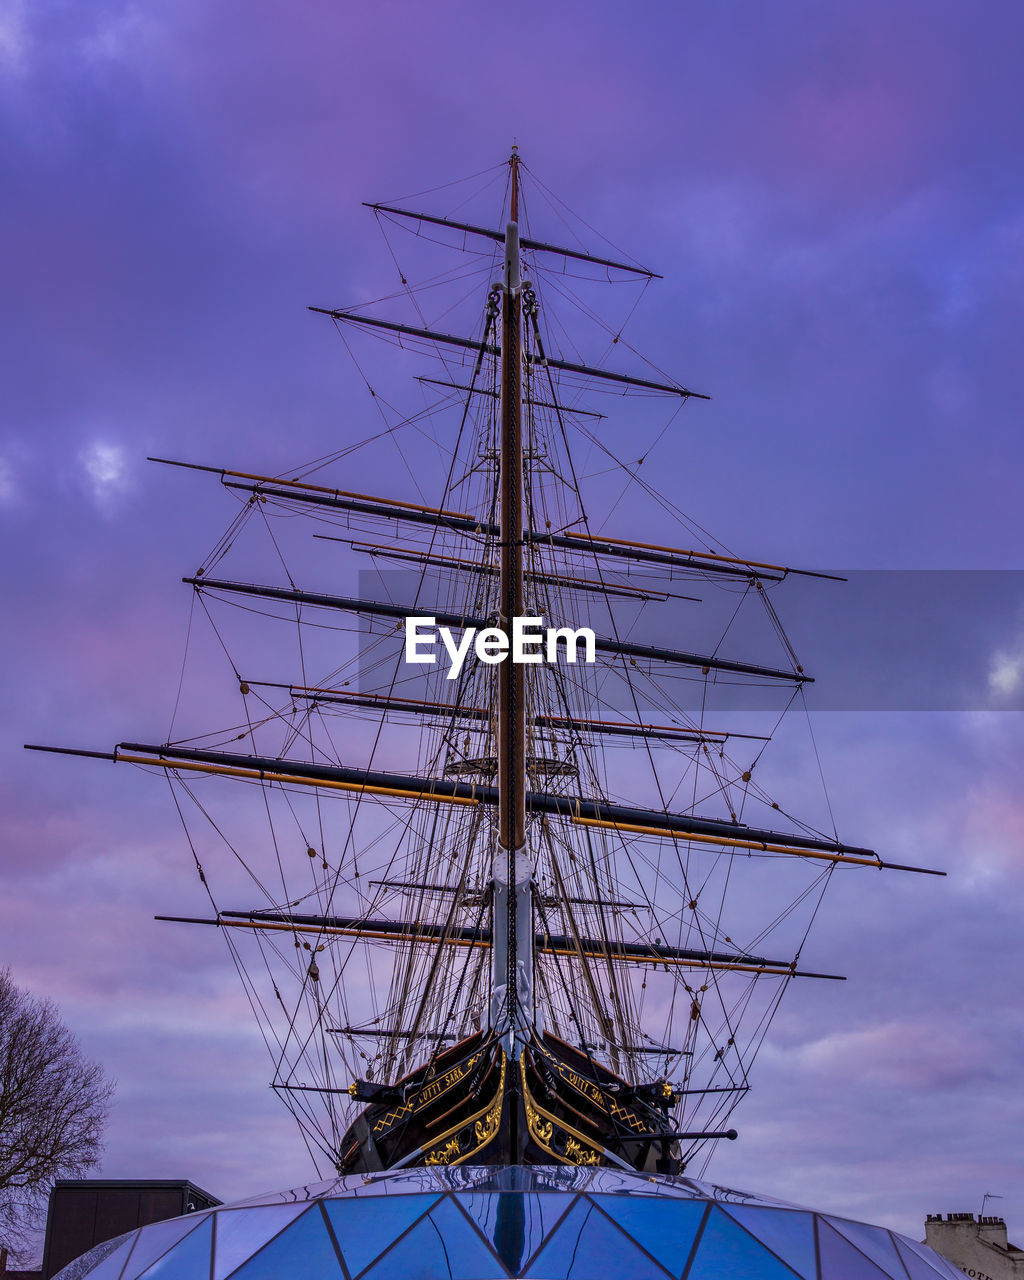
x,y
479,1222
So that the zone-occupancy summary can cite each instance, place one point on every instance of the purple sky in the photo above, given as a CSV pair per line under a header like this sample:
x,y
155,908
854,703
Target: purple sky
x,y
834,196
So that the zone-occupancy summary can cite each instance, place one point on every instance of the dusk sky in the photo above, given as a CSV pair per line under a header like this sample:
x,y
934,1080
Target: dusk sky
x,y
835,198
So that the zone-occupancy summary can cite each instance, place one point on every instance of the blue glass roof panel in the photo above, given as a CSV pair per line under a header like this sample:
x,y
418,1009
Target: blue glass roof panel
x,y
189,1259
404,1182
105,1261
303,1250
515,1222
726,1250
587,1244
238,1233
476,1253
922,1263
443,1244
364,1229
153,1241
730,1195
839,1259
876,1242
789,1233
665,1228
627,1183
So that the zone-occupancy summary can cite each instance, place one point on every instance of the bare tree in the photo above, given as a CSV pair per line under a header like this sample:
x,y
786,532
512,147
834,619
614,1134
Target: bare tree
x,y
53,1108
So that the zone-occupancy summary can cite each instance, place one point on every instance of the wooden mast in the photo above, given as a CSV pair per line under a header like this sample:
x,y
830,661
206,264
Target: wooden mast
x,y
512,1002
511,702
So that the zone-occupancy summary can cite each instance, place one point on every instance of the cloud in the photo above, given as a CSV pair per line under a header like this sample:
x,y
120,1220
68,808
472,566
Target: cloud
x,y
120,36
992,833
1006,672
8,486
105,469
13,36
917,1055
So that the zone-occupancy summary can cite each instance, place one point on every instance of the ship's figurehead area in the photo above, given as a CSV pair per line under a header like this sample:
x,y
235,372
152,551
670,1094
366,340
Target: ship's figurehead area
x,y
473,1103
476,1222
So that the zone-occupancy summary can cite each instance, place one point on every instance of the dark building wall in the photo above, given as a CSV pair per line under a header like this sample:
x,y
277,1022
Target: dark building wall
x,y
88,1212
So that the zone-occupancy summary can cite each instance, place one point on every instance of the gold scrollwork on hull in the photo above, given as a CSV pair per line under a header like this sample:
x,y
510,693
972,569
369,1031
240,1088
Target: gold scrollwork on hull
x,y
579,1155
486,1128
443,1155
540,1129
541,1124
447,1149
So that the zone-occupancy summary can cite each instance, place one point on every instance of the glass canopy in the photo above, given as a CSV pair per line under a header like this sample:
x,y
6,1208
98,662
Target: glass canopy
x,y
479,1223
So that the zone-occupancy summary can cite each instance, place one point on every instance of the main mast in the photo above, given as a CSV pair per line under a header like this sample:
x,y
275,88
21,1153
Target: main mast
x,y
512,1003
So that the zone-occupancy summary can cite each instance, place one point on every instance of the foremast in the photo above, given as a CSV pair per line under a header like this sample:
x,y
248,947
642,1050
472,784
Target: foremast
x,y
513,1007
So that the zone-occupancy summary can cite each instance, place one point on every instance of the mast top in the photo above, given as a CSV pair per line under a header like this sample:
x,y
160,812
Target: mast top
x,y
513,163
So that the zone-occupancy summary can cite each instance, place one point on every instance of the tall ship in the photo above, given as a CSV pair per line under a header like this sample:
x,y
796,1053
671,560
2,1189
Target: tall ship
x,y
485,816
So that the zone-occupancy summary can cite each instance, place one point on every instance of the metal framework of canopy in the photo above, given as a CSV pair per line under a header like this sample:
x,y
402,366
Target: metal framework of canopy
x,y
474,1223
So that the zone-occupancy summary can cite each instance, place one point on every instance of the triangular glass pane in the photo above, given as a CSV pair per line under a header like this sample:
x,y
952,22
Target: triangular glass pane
x,y
515,1223
665,1228
587,1244
725,1249
876,1242
445,1244
923,1265
935,1260
240,1232
840,1260
786,1232
189,1259
109,1264
366,1226
303,1250
154,1241
471,1256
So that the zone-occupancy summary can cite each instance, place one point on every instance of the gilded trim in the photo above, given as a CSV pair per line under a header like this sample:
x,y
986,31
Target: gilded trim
x,y
445,1149
541,1124
593,1092
427,1094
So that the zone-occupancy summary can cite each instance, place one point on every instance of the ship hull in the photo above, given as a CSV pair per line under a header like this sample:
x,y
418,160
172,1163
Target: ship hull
x,y
473,1105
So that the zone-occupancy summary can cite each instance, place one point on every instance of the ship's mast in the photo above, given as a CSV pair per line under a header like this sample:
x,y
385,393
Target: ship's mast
x,y
511,708
512,1005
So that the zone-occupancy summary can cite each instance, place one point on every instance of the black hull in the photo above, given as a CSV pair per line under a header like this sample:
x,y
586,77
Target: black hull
x,y
472,1105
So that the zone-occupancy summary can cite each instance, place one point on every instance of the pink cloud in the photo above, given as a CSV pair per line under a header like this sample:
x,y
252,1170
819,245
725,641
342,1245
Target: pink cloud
x,y
911,1054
